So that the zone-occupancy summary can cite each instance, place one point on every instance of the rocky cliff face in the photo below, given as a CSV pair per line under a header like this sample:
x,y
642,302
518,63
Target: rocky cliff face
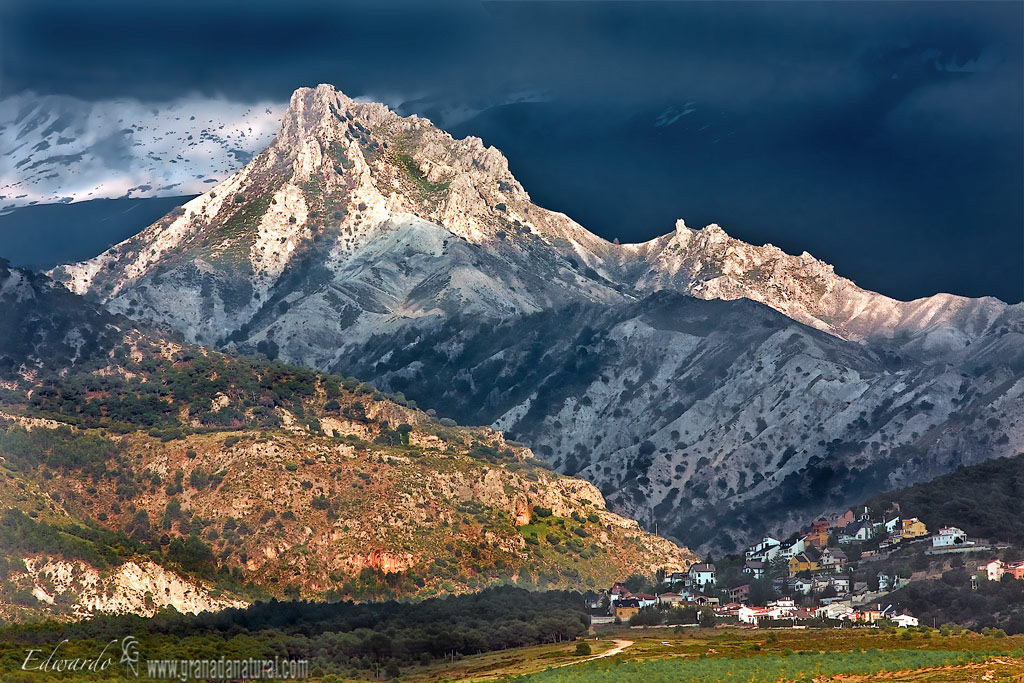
x,y
364,242
78,589
355,218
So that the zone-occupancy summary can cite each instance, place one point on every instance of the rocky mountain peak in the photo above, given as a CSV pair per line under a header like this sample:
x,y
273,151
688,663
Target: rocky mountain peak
x,y
357,197
376,245
393,145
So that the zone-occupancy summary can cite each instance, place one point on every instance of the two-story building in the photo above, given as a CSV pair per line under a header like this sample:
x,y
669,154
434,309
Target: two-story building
x,y
740,594
806,561
949,537
833,559
702,576
755,568
765,550
993,571
793,547
912,528
625,608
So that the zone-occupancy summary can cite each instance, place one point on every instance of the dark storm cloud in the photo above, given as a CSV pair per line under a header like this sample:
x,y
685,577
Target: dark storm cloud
x,y
882,137
722,52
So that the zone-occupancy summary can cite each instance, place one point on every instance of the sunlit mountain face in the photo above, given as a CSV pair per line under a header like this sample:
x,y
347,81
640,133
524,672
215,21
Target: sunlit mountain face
x,y
686,375
812,179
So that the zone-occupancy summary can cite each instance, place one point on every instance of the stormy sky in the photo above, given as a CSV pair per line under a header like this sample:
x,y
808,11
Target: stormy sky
x,y
885,138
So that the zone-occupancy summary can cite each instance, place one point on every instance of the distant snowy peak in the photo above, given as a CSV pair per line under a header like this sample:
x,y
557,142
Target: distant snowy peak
x,y
58,149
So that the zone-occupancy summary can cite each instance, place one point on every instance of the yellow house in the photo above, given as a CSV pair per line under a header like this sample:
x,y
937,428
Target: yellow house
x,y
802,563
913,528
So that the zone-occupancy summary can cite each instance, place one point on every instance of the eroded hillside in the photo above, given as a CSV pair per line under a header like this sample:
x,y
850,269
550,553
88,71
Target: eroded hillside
x,y
254,478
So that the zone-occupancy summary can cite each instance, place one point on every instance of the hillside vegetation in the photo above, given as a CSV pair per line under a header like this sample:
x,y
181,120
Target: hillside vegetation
x,y
984,500
343,639
256,478
718,390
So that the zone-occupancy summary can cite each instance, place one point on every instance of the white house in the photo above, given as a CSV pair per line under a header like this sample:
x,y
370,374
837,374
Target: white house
x,y
905,620
840,583
800,586
765,550
836,610
993,570
858,531
702,575
892,525
949,536
751,615
645,600
792,548
783,608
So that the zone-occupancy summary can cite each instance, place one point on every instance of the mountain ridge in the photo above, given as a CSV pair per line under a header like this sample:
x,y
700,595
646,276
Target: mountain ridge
x,y
802,287
357,240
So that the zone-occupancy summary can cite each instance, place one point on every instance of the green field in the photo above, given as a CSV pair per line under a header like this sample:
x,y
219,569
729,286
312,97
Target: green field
x,y
750,655
766,668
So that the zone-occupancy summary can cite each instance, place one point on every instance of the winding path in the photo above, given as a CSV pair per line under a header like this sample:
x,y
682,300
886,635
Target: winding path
x,y
620,645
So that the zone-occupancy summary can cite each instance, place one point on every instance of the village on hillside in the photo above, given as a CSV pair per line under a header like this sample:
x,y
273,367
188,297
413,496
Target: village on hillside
x,y
837,571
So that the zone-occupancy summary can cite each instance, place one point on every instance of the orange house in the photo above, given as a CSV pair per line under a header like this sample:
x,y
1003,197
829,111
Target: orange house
x,y
817,539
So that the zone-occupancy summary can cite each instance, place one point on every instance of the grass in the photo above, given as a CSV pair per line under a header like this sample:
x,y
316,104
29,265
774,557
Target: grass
x,y
807,666
235,236
664,654
734,654
427,189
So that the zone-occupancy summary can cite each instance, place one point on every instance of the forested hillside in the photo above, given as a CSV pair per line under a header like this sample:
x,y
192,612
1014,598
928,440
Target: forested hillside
x,y
985,500
341,639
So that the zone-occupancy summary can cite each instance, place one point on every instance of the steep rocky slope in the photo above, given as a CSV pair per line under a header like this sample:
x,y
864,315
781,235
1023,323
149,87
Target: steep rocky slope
x,y
711,265
715,419
240,477
363,242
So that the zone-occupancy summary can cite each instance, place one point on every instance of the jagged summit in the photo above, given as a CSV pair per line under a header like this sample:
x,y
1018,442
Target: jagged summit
x,y
351,208
398,218
710,264
371,244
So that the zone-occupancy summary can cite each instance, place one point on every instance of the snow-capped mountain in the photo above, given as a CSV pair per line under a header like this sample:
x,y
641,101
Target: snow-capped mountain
x,y
367,243
62,149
